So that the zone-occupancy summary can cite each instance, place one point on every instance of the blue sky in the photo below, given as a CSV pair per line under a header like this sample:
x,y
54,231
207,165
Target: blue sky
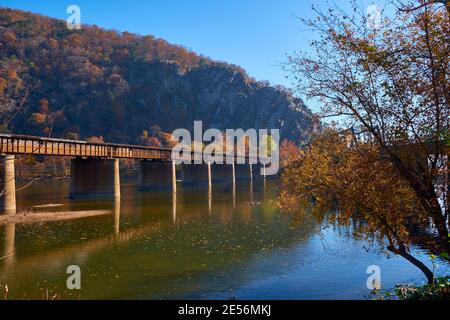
x,y
255,34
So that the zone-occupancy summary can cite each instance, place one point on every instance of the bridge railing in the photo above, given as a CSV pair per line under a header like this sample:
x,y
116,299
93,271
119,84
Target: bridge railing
x,y
23,144
20,144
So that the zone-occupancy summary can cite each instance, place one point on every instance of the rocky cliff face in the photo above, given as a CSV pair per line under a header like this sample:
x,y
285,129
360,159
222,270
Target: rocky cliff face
x,y
96,82
220,97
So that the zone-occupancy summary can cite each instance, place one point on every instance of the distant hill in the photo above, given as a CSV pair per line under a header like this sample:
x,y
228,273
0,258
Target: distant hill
x,y
96,82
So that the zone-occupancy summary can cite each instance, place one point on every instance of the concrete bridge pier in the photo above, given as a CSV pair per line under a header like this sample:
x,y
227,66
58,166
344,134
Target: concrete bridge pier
x,y
117,180
233,168
174,177
157,175
209,177
94,178
174,208
209,200
234,196
208,173
251,192
8,186
117,217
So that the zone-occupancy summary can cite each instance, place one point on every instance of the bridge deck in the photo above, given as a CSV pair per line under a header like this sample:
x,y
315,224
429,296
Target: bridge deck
x,y
21,144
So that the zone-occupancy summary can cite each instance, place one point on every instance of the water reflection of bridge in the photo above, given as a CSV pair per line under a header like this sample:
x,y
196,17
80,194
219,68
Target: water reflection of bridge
x,y
66,254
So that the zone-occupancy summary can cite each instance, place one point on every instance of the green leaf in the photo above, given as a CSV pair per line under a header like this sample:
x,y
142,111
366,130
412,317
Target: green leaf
x,y
445,255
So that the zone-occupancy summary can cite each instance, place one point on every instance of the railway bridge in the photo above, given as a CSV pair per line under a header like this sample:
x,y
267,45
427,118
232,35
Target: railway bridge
x,y
95,168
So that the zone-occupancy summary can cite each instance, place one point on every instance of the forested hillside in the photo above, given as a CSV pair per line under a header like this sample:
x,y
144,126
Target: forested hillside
x,y
95,82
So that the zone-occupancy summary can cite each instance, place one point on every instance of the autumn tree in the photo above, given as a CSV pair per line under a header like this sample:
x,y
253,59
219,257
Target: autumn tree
x,y
167,140
149,140
389,81
45,118
288,151
113,83
348,184
95,139
155,137
13,92
410,6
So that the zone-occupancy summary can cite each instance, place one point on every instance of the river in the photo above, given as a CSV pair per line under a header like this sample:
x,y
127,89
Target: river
x,y
195,245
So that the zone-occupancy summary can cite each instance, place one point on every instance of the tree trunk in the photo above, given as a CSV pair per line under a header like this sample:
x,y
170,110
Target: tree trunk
x,y
426,194
431,204
403,253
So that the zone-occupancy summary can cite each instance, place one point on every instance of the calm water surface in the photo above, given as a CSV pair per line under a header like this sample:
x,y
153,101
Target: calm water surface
x,y
195,245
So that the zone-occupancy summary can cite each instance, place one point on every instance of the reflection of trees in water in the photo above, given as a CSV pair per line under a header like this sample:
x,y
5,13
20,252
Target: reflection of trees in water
x,y
150,249
360,191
